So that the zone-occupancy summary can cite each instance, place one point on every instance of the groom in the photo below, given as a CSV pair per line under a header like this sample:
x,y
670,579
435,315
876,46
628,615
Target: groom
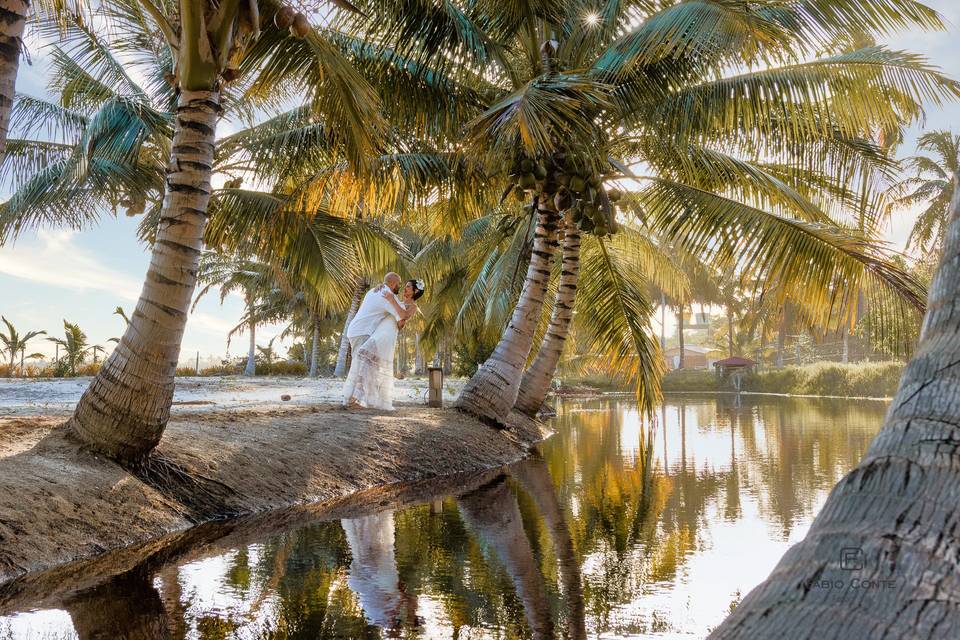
x,y
372,310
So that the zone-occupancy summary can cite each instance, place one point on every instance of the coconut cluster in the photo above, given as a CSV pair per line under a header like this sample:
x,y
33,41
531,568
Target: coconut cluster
x,y
287,18
574,183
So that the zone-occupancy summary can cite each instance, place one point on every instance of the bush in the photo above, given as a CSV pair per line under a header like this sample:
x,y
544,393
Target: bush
x,y
681,380
865,379
282,368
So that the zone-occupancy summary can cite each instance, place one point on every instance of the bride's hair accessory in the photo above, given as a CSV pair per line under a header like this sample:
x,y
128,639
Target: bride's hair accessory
x,y
418,288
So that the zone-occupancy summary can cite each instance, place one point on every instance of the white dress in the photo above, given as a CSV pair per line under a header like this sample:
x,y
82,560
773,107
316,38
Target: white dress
x,y
370,380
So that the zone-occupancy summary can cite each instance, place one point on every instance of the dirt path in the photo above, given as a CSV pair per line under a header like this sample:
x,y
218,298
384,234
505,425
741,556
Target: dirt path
x,y
59,504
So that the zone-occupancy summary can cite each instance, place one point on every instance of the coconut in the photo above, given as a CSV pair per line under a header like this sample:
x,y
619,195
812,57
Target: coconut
x,y
283,18
577,184
540,172
528,181
526,165
614,195
301,26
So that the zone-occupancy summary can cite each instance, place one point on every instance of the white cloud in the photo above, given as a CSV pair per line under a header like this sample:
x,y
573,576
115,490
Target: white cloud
x,y
55,259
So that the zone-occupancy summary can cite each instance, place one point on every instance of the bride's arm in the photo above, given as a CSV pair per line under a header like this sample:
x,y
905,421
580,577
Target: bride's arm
x,y
403,312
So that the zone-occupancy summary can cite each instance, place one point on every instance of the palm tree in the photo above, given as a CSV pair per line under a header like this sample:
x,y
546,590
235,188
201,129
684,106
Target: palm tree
x,y
552,95
237,274
11,43
882,510
203,52
932,188
74,346
13,342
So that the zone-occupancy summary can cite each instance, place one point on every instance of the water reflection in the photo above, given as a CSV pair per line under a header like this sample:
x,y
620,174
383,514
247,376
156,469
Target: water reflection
x,y
622,526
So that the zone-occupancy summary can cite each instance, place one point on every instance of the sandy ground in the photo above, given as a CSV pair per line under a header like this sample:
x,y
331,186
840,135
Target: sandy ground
x,y
247,454
47,396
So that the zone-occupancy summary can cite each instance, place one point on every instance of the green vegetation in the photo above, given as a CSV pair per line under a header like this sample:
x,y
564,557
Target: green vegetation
x,y
864,379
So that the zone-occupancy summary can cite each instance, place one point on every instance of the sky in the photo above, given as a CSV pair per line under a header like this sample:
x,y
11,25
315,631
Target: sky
x,y
48,276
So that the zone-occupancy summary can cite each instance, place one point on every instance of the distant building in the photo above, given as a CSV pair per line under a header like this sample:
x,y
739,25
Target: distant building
x,y
694,357
734,364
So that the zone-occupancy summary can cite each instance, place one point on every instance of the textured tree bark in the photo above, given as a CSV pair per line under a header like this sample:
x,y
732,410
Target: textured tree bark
x,y
536,380
881,558
344,351
315,348
125,409
492,391
13,18
492,513
251,368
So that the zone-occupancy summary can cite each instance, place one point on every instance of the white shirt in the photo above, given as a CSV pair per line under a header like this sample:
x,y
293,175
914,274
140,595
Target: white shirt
x,y
372,310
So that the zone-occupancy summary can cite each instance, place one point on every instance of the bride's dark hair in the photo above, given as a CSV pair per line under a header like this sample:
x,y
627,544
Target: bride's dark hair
x,y
417,291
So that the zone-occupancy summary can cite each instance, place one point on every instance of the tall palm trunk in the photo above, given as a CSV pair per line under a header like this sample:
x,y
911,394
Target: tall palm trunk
x,y
683,359
251,368
492,391
536,380
730,330
891,524
125,409
419,363
315,347
358,290
663,322
13,18
781,339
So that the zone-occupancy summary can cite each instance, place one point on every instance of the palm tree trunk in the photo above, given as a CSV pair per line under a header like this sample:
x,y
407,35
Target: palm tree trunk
x,y
680,336
663,322
13,18
315,348
358,290
419,363
251,368
730,330
536,380
492,391
891,524
845,349
781,339
125,409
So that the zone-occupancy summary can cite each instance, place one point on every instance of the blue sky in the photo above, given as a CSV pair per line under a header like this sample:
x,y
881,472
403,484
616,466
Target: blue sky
x,y
49,276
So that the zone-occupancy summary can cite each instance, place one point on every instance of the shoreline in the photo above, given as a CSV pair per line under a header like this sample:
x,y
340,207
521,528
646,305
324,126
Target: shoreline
x,y
599,393
60,505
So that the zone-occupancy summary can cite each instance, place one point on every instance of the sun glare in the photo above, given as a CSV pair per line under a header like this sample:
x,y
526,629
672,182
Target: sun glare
x,y
591,18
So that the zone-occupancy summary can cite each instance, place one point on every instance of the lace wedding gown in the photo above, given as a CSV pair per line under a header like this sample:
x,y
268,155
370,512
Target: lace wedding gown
x,y
370,380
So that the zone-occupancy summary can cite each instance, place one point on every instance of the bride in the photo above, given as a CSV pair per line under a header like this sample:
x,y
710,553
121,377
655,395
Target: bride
x,y
370,381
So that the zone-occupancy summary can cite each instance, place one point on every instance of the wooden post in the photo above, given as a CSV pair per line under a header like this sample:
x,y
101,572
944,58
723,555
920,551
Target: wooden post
x,y
435,383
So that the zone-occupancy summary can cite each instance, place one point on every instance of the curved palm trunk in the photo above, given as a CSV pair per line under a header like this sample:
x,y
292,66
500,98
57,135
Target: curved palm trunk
x,y
492,513
251,368
492,391
359,289
13,18
532,474
125,409
891,524
536,380
315,348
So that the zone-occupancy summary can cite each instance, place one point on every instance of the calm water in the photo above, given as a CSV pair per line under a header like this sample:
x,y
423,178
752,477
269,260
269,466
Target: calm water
x,y
621,528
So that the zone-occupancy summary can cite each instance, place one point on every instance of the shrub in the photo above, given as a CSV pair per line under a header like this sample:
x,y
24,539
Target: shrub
x,y
681,380
283,368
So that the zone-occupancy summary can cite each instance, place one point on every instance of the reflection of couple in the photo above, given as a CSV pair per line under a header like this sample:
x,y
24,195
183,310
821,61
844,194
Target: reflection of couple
x,y
373,339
